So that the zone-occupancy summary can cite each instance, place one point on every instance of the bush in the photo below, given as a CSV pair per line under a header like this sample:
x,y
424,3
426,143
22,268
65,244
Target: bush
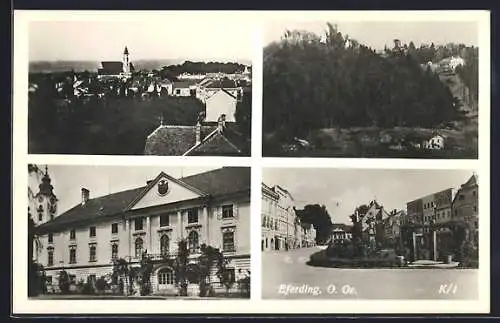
x,y
101,285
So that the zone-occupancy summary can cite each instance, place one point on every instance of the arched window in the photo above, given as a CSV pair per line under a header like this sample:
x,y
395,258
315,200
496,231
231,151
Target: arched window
x,y
138,247
164,244
193,241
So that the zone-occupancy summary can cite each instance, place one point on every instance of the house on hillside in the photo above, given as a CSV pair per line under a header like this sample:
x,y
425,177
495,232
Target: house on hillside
x,y
435,143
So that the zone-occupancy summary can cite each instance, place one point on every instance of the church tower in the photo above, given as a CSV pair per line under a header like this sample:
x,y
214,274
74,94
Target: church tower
x,y
45,201
126,61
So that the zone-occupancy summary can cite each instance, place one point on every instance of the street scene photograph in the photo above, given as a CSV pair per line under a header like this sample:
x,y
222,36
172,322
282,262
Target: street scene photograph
x,y
140,87
369,234
371,89
138,232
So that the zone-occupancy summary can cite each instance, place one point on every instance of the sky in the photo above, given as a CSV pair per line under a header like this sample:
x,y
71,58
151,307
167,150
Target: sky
x,y
376,34
102,180
173,37
342,190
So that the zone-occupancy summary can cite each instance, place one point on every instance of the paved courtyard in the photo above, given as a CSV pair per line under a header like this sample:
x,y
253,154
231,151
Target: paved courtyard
x,y
286,275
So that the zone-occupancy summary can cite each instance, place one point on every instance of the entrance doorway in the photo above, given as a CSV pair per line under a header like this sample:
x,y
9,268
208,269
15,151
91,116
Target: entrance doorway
x,y
165,279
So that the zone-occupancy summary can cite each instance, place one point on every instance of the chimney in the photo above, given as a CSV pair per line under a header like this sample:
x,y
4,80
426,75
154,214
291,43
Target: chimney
x,y
198,132
221,122
85,195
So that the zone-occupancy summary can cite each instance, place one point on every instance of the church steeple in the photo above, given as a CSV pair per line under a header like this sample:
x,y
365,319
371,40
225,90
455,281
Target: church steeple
x,y
126,61
46,187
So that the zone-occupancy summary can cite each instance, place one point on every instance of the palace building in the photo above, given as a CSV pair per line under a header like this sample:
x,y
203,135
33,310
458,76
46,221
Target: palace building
x,y
211,208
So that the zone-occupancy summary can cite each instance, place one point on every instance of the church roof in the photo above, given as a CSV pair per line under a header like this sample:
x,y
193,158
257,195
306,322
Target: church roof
x,y
219,182
111,68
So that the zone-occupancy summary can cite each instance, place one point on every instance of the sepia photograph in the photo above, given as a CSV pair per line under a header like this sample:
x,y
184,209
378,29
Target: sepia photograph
x,y
369,234
156,233
158,86
371,89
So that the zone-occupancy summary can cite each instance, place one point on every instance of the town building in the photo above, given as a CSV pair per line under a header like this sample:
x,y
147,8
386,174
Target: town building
x,y
465,203
211,208
121,69
307,235
220,102
432,208
282,229
341,232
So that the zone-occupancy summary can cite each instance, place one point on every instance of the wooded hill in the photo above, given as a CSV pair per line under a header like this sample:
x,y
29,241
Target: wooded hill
x,y
312,83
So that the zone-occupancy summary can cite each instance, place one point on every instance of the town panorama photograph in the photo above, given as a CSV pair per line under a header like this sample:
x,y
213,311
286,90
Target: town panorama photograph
x,y
140,87
380,89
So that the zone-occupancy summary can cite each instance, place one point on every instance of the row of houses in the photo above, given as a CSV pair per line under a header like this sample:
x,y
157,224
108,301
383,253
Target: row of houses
x,y
281,228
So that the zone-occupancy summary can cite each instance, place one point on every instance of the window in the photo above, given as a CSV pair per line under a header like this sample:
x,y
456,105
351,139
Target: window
x,y
72,234
475,208
92,253
72,256
48,279
164,244
138,247
164,220
138,224
165,277
473,193
263,221
114,228
228,241
40,216
192,216
51,237
456,212
476,225
114,251
227,211
92,232
461,197
193,241
52,216
50,257
178,91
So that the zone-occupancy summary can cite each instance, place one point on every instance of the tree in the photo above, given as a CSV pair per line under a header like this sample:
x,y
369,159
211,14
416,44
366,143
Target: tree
x,y
318,216
121,273
243,114
181,267
64,282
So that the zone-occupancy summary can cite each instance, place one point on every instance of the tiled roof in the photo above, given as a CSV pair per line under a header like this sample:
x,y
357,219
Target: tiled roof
x,y
111,68
224,83
215,144
183,84
173,140
342,226
216,183
95,208
221,181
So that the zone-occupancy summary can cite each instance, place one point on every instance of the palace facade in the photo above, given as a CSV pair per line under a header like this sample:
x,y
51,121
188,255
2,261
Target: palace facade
x,y
211,208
